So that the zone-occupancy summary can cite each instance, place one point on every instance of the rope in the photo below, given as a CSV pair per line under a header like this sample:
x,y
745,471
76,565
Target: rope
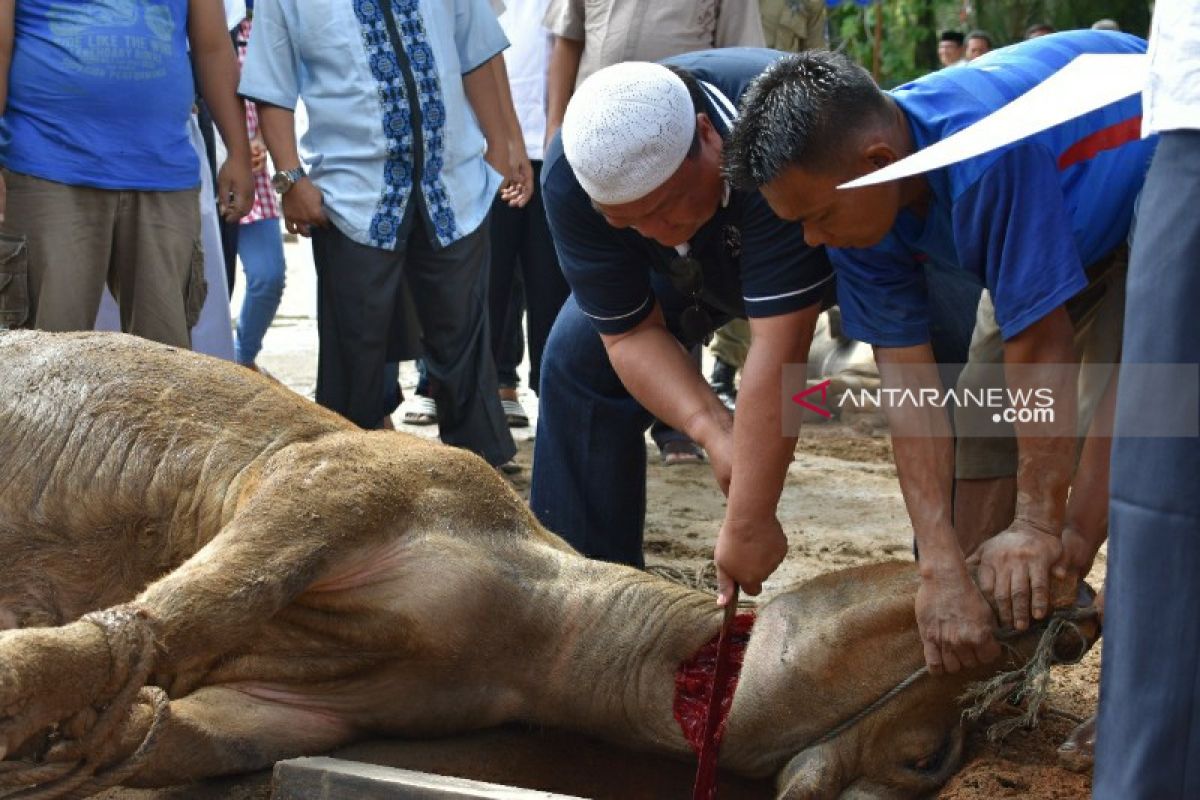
x,y
1036,670
846,725
703,577
1031,682
70,771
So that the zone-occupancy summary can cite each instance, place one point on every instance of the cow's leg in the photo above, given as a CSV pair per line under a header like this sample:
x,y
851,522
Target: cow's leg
x,y
216,601
214,731
218,730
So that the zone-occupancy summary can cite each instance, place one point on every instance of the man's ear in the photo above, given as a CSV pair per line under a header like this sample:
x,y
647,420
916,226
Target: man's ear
x,y
880,155
708,131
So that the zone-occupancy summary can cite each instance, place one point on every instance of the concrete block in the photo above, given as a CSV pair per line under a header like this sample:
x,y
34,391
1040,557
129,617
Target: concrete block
x,y
324,778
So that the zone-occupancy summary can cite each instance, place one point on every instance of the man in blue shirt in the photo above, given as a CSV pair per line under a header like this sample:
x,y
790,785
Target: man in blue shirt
x,y
659,252
398,189
1038,223
100,175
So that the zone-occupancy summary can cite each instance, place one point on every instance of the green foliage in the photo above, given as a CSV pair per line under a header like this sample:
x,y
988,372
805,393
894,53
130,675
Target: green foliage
x,y
910,27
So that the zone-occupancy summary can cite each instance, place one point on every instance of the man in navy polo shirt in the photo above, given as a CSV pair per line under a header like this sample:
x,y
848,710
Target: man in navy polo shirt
x,y
659,252
1041,223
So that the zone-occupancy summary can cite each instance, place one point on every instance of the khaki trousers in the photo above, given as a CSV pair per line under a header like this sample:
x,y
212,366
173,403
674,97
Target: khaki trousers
x,y
145,246
732,342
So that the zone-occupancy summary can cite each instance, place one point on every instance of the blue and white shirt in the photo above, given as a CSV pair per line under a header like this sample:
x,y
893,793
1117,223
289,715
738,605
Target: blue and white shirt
x,y
1025,220
364,147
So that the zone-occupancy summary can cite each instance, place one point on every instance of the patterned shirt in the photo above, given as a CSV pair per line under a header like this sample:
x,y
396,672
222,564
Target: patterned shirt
x,y
385,127
266,204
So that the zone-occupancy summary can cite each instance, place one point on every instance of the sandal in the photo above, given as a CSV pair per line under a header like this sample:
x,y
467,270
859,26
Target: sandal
x,y
514,413
419,410
681,451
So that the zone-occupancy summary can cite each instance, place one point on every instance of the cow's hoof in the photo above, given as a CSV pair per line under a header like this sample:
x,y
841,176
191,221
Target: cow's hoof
x,y
1078,752
53,675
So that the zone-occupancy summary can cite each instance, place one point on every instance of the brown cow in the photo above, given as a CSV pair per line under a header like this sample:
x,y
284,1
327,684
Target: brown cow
x,y
295,584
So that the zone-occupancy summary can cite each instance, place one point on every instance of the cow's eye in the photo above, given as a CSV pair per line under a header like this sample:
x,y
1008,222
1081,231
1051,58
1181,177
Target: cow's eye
x,y
933,762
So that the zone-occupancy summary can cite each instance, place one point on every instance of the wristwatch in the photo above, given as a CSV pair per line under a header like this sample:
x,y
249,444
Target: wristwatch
x,y
285,179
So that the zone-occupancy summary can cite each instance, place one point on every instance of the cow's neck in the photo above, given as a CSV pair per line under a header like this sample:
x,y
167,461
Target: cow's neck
x,y
618,638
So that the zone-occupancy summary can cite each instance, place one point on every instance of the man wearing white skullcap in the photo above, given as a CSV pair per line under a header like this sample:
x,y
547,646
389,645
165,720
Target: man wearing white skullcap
x,y
659,252
627,131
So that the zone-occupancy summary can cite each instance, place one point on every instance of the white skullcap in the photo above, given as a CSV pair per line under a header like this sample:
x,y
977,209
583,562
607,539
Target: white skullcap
x,y
627,129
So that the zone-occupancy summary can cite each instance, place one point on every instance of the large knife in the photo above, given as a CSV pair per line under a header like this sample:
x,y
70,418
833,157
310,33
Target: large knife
x,y
705,787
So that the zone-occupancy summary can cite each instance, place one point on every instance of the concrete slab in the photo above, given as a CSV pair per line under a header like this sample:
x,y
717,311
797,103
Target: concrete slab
x,y
325,778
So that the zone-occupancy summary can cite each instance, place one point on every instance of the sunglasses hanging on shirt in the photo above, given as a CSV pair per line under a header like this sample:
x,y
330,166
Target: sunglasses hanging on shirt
x,y
687,276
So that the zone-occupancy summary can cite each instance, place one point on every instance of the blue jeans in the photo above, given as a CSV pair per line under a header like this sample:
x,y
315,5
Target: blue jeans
x,y
260,245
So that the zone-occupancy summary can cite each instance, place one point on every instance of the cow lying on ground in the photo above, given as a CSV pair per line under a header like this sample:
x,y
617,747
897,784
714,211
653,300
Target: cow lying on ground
x,y
294,584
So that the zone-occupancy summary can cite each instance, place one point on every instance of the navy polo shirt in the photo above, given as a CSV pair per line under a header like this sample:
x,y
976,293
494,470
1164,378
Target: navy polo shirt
x,y
754,264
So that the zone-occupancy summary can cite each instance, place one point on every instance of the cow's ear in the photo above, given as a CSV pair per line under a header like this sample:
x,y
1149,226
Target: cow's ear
x,y
813,774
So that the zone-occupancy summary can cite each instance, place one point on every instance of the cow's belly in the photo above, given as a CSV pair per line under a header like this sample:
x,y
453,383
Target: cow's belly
x,y
400,638
399,699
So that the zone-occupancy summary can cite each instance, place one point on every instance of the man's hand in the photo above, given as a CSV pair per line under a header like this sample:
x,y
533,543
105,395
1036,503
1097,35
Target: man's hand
x,y
1014,568
235,189
1078,553
747,554
303,208
955,623
258,154
513,165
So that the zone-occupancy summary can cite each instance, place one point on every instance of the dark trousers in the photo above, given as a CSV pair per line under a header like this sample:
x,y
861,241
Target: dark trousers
x,y
512,346
521,237
1148,741
359,303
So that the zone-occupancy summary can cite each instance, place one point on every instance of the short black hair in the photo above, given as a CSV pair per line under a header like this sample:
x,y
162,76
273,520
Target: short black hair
x,y
951,36
1038,27
987,37
802,111
698,103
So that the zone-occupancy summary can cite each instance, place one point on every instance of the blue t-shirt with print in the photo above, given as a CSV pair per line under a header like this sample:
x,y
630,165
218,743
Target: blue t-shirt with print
x,y
754,264
1025,220
100,94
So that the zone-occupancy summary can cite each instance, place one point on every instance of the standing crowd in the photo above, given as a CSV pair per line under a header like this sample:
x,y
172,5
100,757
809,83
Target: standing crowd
x,y
635,180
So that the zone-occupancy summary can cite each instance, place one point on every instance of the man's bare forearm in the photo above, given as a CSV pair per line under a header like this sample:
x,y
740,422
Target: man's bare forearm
x,y
491,102
215,63
7,17
1043,357
278,128
1087,504
560,80
761,450
504,93
657,371
924,454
